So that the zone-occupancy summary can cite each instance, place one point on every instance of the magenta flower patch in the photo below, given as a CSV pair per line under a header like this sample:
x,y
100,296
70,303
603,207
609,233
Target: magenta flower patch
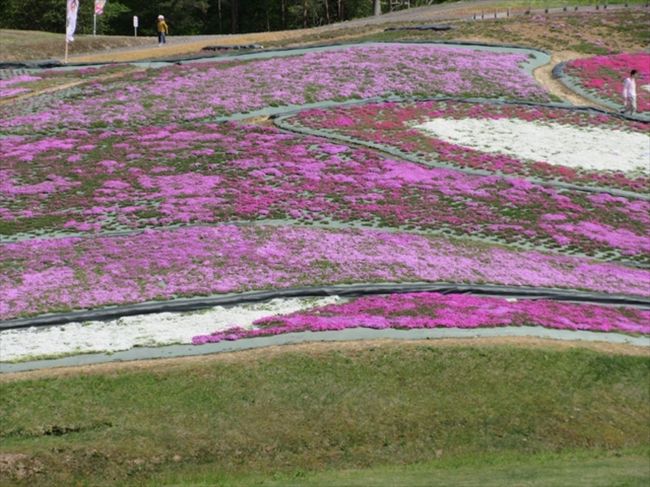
x,y
16,85
432,310
229,172
603,76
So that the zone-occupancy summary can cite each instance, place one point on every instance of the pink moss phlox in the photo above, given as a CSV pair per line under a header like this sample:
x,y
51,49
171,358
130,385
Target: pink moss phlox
x,y
604,75
199,91
243,177
391,125
47,275
433,310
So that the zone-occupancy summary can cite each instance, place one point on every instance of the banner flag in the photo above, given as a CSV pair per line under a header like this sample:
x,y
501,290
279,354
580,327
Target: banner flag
x,y
99,7
71,20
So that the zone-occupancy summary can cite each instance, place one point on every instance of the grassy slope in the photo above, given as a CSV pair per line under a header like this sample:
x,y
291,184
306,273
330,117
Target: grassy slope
x,y
597,33
574,469
387,404
30,45
23,45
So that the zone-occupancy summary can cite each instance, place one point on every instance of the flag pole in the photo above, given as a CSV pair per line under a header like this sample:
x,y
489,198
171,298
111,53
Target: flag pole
x,y
94,25
67,20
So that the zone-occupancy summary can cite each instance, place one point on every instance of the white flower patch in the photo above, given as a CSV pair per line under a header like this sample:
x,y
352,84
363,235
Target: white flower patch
x,y
143,330
593,148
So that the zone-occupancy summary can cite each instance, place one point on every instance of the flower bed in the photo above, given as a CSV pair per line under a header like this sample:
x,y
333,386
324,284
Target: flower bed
x,y
433,310
150,330
54,275
603,76
546,143
16,86
200,91
52,79
216,173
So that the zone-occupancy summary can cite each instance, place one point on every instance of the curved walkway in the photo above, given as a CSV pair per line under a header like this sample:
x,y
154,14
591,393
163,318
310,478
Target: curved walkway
x,y
476,10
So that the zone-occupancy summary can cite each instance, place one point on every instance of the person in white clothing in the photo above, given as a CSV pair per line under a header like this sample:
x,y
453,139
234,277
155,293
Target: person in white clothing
x,y
629,92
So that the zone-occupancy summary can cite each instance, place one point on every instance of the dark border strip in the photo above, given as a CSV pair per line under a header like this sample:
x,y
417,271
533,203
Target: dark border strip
x,y
353,290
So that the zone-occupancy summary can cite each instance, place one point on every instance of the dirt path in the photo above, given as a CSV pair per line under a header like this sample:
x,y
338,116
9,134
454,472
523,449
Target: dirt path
x,y
544,76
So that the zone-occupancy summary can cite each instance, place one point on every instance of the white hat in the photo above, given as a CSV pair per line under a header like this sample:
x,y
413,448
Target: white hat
x,y
161,17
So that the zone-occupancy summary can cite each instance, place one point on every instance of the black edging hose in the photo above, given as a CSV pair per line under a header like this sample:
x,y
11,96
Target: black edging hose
x,y
353,290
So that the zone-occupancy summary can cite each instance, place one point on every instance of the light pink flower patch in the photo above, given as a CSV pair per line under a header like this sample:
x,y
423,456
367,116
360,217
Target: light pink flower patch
x,y
43,275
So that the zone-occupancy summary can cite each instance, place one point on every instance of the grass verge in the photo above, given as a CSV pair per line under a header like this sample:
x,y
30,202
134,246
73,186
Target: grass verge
x,y
278,413
28,45
565,469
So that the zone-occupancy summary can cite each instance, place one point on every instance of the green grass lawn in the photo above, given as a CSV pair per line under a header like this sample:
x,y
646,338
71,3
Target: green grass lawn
x,y
567,469
271,414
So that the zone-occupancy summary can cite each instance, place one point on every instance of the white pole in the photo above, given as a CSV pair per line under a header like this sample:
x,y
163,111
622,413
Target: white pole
x,y
94,25
65,58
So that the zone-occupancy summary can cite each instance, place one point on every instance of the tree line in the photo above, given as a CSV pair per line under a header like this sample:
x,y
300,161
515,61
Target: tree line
x,y
192,17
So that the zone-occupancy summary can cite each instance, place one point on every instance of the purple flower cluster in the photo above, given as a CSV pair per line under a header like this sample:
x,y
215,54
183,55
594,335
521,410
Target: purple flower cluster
x,y
433,310
200,91
228,172
54,80
51,275
16,85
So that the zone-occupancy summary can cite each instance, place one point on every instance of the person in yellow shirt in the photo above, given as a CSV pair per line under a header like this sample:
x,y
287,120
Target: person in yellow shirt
x,y
163,30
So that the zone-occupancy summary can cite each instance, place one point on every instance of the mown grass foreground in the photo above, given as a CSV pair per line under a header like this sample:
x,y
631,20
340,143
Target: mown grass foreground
x,y
278,413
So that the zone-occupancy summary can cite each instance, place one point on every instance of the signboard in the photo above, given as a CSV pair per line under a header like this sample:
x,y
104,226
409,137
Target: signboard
x,y
135,21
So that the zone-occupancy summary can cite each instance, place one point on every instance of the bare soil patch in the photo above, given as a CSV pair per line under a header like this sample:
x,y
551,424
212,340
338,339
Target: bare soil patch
x,y
544,76
18,466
